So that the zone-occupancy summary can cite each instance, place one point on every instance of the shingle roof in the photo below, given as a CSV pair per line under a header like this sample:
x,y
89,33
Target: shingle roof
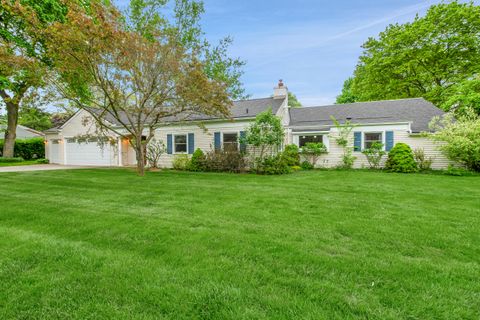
x,y
418,111
240,109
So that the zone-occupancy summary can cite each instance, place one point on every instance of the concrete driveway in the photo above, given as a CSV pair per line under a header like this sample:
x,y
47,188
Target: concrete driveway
x,y
40,167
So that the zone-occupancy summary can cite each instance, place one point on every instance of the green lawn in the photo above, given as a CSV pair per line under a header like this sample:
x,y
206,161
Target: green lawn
x,y
95,244
14,164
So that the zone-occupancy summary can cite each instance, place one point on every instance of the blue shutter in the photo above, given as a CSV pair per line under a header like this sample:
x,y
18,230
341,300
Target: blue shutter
x,y
169,144
357,143
243,145
191,143
218,141
389,140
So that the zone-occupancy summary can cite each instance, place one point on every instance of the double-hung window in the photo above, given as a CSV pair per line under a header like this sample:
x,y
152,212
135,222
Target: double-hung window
x,y
230,141
303,140
180,143
371,138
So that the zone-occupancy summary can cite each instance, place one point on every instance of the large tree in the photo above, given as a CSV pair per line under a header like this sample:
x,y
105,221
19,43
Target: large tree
x,y
23,62
425,58
142,68
293,101
347,95
35,117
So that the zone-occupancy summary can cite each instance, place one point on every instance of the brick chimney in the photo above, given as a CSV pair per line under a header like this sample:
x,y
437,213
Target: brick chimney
x,y
280,91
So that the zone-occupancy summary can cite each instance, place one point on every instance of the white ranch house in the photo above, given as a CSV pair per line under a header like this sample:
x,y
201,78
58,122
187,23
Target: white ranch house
x,y
389,122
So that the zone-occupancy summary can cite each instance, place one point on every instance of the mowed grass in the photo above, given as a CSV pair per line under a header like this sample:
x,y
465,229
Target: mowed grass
x,y
106,244
14,164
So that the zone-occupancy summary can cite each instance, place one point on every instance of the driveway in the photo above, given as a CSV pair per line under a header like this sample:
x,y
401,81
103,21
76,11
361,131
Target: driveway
x,y
40,167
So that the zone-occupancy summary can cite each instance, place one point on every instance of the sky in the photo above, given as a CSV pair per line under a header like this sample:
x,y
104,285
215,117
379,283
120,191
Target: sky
x,y
313,45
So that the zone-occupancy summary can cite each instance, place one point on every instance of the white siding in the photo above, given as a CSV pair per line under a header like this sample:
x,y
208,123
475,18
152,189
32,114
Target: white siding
x,y
203,137
401,134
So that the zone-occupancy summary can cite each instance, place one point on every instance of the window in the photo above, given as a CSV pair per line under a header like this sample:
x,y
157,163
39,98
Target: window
x,y
180,143
310,139
371,138
56,141
230,141
71,140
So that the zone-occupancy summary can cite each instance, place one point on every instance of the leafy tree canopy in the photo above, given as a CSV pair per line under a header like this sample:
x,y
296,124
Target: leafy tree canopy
x,y
347,95
293,101
35,118
141,67
435,57
24,61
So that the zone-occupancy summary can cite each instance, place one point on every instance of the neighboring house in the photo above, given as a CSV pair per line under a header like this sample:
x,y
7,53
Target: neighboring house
x,y
389,122
22,132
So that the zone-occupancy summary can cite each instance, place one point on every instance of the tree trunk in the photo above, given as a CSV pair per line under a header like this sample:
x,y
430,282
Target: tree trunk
x,y
140,153
11,132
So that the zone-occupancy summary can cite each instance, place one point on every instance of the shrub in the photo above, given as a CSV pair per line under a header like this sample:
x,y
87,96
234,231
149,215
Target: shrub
x,y
342,139
458,172
155,149
400,159
423,162
461,137
296,168
43,161
198,161
225,161
313,151
306,165
180,162
291,155
266,133
10,160
28,149
374,155
272,165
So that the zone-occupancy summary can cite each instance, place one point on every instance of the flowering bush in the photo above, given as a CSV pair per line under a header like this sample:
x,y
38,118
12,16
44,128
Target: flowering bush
x,y
461,137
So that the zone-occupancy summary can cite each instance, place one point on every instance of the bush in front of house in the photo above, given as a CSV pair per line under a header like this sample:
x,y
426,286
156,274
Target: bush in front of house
x,y
291,155
272,165
180,162
43,161
424,163
306,165
401,159
374,155
225,161
28,149
197,162
10,160
313,150
155,150
459,137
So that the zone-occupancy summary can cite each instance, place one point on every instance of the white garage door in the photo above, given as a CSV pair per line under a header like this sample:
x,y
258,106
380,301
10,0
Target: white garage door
x,y
54,151
89,153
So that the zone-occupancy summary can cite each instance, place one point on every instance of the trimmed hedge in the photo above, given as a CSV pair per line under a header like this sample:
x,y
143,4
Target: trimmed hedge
x,y
28,149
10,160
401,159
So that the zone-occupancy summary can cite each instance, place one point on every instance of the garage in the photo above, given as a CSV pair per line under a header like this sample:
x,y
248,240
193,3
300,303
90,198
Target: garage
x,y
89,152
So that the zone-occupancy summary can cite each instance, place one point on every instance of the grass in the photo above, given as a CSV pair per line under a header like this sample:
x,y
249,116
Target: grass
x,y
23,163
98,244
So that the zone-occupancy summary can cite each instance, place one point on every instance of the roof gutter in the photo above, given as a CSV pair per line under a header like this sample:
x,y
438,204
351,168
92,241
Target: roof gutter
x,y
361,124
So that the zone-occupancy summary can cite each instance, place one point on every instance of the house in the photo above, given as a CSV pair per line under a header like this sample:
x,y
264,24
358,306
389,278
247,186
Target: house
x,y
22,132
388,122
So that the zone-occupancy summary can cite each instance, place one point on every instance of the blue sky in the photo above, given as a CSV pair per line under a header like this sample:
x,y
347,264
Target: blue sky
x,y
313,45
